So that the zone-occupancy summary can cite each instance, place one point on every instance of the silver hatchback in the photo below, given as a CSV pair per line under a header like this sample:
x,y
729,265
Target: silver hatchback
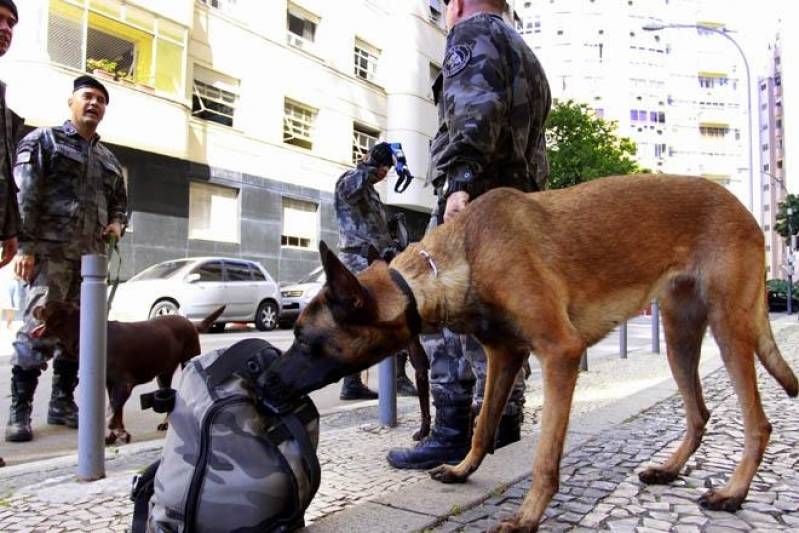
x,y
196,286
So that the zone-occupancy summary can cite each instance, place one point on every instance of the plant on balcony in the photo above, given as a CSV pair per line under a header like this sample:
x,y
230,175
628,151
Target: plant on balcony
x,y
102,68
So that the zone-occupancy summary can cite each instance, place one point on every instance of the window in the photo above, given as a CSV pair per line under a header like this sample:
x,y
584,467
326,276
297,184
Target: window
x,y
210,271
298,124
633,114
228,6
363,139
436,13
237,271
214,97
117,41
257,274
300,224
301,27
213,213
365,60
434,71
660,150
713,131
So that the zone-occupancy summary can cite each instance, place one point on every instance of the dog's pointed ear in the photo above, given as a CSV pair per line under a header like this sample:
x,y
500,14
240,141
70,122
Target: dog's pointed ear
x,y
346,292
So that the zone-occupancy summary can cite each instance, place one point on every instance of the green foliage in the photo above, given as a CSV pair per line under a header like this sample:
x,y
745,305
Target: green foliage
x,y
780,287
106,65
582,146
782,227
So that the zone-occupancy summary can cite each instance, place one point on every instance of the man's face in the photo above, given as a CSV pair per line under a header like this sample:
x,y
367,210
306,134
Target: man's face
x,y
7,23
451,16
381,173
88,106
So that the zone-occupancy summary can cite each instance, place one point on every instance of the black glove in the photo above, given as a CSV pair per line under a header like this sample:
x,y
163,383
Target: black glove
x,y
381,155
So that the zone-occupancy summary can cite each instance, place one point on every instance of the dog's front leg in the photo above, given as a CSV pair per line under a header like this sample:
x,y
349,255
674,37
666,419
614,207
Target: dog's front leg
x,y
421,367
503,365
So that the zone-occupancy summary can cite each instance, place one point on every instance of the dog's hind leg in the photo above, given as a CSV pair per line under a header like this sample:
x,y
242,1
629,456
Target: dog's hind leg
x,y
118,394
732,323
684,321
503,365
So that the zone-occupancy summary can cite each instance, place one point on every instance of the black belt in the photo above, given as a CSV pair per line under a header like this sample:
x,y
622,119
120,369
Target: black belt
x,y
362,250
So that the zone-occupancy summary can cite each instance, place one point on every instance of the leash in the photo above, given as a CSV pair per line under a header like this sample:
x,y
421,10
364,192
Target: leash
x,y
113,246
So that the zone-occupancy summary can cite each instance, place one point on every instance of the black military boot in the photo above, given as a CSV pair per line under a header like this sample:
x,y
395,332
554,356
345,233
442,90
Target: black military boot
x,y
448,442
404,385
63,411
23,385
510,430
352,388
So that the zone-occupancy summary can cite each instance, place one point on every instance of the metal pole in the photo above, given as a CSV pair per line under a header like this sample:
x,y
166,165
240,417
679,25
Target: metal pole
x,y
655,327
387,391
623,340
91,416
584,362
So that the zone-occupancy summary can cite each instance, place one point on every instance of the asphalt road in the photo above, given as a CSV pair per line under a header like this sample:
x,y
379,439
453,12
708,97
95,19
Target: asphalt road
x,y
52,441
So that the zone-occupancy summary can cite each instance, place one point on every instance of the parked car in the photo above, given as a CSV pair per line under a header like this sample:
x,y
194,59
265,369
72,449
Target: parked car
x,y
196,286
295,296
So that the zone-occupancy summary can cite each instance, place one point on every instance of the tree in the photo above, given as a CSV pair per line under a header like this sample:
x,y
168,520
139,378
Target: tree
x,y
781,226
582,146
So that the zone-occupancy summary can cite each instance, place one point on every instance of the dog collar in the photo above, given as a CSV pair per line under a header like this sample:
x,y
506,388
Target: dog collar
x,y
412,316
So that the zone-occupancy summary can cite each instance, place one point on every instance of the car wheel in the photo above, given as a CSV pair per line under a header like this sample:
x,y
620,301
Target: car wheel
x,y
266,317
217,327
163,308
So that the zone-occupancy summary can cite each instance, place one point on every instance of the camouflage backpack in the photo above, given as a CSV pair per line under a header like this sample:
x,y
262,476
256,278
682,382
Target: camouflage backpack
x,y
231,460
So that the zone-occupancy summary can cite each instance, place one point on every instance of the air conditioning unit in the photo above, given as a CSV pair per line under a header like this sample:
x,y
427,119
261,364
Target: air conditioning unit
x,y
296,41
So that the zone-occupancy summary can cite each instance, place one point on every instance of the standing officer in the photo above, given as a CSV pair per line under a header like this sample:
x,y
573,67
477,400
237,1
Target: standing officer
x,y
363,237
72,197
10,127
493,99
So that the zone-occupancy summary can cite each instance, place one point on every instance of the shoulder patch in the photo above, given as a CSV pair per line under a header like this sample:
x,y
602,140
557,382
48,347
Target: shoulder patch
x,y
456,60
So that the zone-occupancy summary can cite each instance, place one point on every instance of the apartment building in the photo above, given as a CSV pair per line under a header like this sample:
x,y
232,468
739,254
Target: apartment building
x,y
680,94
234,118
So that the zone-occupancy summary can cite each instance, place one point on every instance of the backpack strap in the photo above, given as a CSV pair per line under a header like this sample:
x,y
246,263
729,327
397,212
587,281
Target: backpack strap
x,y
141,492
309,458
235,360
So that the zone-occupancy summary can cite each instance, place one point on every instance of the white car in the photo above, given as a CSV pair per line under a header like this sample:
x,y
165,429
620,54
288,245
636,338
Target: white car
x,y
194,287
295,296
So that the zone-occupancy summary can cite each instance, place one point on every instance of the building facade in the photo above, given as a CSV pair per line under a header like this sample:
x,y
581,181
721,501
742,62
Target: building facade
x,y
234,118
680,94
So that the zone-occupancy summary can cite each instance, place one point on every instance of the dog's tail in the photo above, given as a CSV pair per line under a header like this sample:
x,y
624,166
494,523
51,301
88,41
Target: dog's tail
x,y
208,321
769,353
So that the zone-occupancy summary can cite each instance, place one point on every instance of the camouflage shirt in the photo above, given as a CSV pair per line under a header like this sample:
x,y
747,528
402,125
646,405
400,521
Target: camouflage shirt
x,y
10,129
493,99
360,213
70,190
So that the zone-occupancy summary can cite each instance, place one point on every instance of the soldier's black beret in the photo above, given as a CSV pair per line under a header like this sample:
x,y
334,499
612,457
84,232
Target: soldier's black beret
x,y
381,155
88,81
11,6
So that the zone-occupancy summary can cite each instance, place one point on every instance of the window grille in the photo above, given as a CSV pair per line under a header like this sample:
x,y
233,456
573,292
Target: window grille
x,y
362,141
365,61
298,125
212,103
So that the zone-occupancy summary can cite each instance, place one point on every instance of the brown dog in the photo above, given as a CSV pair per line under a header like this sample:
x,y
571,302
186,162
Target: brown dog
x,y
137,352
555,272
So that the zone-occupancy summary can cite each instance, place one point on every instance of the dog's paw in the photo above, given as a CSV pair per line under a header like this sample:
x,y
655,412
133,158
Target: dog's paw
x,y
716,501
447,474
163,426
111,438
512,526
125,437
421,433
656,476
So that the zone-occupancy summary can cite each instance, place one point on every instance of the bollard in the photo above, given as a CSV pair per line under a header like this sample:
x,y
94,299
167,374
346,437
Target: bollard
x,y
387,391
623,340
91,415
655,327
584,362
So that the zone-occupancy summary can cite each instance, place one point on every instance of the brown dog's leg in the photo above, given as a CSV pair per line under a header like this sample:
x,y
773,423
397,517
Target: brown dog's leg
x,y
421,367
503,365
118,394
684,322
734,334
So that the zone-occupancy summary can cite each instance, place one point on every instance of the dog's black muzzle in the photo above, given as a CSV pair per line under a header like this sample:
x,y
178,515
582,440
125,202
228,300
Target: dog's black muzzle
x,y
297,373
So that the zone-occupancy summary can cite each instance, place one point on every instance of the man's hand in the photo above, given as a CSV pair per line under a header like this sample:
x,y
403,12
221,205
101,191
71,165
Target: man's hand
x,y
9,251
456,202
115,229
24,267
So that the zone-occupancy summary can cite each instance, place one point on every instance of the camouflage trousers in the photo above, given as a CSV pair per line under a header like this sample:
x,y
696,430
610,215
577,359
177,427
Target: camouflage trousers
x,y
54,279
458,364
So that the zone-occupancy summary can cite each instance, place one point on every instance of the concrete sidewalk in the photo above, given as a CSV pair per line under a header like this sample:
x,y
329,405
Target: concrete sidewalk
x,y
607,444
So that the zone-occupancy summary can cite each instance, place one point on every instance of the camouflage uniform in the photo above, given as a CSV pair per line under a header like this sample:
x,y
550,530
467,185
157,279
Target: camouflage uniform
x,y
70,190
493,99
10,129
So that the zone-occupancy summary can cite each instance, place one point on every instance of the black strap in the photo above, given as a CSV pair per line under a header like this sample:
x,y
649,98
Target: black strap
x,y
160,401
234,360
141,493
307,450
412,316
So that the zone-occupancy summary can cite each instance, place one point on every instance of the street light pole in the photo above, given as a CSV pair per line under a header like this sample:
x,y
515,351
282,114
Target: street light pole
x,y
657,27
791,239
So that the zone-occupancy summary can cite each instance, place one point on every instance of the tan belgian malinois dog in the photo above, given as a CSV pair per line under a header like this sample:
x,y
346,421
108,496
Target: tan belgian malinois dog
x,y
554,272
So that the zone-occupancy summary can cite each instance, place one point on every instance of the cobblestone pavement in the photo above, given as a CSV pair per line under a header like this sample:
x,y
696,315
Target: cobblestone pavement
x,y
600,489
354,469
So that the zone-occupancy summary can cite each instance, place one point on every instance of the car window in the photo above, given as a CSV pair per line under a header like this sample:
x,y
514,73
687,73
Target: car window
x,y
237,271
316,275
258,273
210,271
161,270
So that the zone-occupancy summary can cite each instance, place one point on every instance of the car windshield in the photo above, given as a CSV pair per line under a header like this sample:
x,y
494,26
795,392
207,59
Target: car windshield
x,y
316,276
161,270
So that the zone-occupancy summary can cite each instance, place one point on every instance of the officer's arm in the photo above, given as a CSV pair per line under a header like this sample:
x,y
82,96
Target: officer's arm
x,y
29,170
352,185
118,203
475,107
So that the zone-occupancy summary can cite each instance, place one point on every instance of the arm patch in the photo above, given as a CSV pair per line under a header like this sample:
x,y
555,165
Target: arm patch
x,y
456,60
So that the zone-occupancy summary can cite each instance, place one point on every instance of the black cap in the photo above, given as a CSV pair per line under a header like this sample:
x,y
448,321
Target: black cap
x,y
381,155
11,7
88,81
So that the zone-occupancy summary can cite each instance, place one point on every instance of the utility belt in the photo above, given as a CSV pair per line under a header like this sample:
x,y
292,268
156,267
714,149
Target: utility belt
x,y
364,250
